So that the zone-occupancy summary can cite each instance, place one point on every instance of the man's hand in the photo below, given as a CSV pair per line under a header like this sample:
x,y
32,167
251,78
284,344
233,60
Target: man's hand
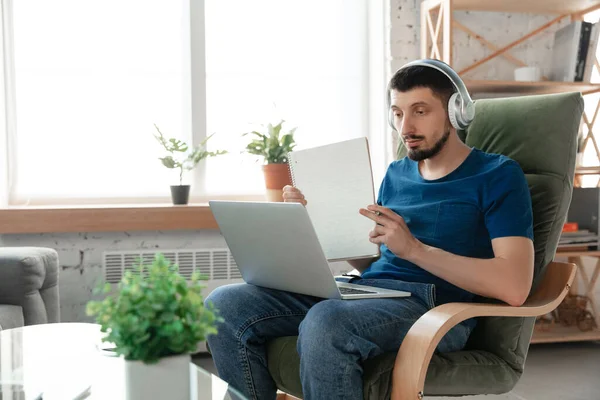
x,y
292,194
391,230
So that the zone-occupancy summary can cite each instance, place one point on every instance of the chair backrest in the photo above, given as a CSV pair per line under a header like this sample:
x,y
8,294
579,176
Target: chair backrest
x,y
540,133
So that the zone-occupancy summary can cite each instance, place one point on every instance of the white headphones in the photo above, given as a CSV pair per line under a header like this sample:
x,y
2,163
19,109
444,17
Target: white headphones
x,y
461,109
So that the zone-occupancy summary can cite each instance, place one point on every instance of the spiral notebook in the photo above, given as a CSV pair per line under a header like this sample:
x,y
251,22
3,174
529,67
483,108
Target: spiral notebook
x,y
337,181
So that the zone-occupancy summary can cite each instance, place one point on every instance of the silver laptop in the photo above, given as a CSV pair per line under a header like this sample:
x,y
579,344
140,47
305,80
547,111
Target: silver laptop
x,y
275,246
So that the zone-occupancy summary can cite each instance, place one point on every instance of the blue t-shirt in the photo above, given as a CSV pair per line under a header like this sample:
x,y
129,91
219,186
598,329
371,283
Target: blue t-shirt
x,y
486,197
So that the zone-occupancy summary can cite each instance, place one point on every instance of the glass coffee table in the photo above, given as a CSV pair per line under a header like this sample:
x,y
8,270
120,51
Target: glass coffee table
x,y
63,361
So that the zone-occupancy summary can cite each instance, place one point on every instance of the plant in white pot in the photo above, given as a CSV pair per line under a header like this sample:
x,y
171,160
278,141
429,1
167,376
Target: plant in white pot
x,y
184,159
155,320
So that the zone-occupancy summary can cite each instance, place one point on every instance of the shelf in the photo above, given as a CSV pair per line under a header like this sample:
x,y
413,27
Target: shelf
x,y
526,6
585,253
587,171
542,87
558,334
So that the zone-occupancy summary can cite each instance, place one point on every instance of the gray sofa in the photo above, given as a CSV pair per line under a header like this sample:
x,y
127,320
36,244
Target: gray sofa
x,y
28,286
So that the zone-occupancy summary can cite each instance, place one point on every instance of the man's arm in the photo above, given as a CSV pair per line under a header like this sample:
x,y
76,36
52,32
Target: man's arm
x,y
507,276
362,263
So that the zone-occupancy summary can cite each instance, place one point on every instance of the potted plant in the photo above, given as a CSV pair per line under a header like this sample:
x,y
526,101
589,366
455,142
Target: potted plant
x,y
181,157
155,320
273,147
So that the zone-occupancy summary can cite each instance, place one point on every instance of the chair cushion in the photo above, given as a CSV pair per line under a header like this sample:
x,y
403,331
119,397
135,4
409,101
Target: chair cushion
x,y
476,369
540,133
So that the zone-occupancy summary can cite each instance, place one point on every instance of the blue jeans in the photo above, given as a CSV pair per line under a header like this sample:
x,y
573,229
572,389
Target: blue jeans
x,y
335,336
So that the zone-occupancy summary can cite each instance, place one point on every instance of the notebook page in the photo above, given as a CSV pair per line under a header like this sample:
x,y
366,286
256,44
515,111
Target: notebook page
x,y
337,181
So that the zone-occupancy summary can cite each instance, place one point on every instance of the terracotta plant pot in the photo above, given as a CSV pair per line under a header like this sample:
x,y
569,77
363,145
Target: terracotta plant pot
x,y
276,177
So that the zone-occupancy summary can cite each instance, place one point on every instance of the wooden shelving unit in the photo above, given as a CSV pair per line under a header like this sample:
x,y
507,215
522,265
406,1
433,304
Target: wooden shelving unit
x,y
542,87
437,25
588,170
528,6
559,334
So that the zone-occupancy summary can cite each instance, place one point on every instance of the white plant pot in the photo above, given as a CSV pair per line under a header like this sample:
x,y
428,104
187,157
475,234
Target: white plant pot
x,y
167,379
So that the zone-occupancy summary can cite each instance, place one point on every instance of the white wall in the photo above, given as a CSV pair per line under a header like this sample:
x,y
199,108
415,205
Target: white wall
x,y
81,254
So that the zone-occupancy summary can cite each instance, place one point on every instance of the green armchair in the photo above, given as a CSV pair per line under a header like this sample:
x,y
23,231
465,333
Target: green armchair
x,y
540,133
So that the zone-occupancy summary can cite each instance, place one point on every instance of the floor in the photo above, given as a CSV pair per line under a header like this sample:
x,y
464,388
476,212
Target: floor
x,y
560,371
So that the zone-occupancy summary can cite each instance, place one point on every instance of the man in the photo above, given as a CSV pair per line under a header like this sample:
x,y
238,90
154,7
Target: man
x,y
452,222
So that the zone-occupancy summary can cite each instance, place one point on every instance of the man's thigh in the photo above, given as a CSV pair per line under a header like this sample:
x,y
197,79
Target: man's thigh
x,y
370,327
373,326
260,312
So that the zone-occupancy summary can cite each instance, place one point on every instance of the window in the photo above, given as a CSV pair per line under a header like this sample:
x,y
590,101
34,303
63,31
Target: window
x,y
300,61
90,79
87,81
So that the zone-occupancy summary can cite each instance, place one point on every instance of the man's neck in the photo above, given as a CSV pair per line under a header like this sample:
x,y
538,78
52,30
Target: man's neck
x,y
447,160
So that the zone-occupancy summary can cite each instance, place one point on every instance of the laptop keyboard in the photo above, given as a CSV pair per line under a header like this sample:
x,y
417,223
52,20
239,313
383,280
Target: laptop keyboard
x,y
346,290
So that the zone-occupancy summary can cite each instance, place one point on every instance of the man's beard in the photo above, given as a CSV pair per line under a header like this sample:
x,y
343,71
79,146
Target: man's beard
x,y
422,154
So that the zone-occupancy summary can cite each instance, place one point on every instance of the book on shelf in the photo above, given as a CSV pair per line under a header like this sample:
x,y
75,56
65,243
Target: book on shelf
x,y
577,247
570,52
581,236
591,54
579,240
576,233
570,227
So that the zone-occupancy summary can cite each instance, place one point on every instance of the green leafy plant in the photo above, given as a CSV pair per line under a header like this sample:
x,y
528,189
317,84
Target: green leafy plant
x,y
272,145
155,313
180,156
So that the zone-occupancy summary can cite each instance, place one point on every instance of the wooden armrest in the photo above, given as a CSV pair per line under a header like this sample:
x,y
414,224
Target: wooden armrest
x,y
424,336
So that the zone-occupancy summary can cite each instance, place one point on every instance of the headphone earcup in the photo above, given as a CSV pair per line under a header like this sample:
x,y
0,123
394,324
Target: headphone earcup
x,y
453,110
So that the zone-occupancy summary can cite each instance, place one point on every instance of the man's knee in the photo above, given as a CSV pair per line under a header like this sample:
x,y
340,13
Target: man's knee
x,y
327,323
228,297
238,303
231,303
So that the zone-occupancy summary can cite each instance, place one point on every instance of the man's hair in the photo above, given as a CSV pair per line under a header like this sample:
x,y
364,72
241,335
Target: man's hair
x,y
419,76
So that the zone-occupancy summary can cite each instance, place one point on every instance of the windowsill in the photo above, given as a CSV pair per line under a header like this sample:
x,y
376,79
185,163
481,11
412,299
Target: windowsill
x,y
105,218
